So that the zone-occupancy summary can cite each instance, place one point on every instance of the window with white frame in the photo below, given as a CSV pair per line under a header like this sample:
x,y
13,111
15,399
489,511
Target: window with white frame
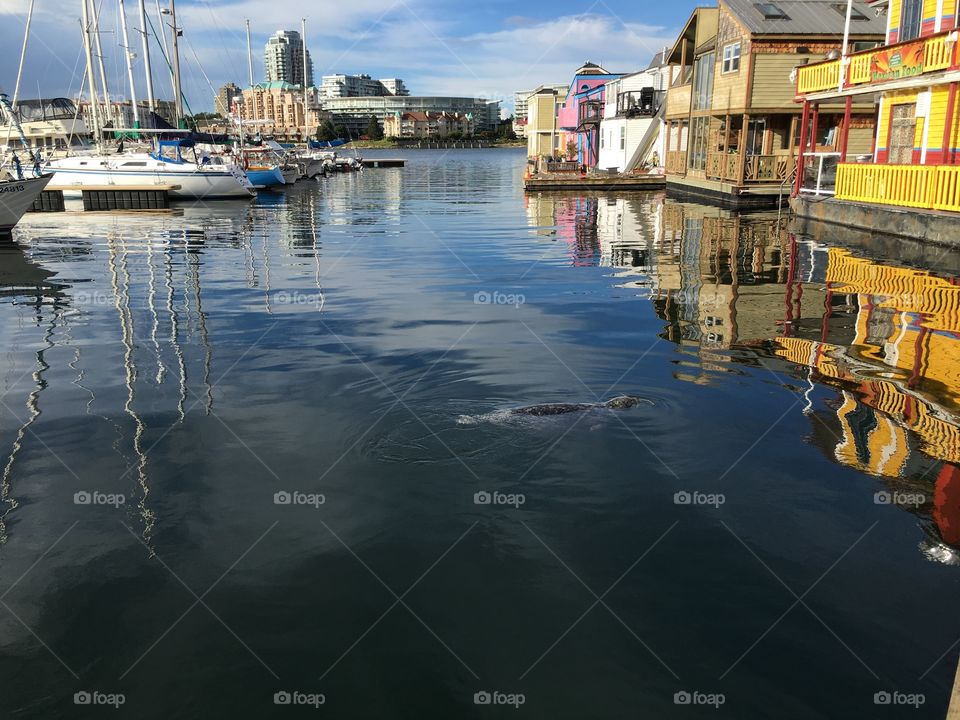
x,y
623,137
731,58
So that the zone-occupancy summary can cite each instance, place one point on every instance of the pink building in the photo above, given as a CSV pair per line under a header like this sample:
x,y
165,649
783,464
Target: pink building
x,y
580,116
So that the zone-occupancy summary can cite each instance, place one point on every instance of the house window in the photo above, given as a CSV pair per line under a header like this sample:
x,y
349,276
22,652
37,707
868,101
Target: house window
x,y
855,14
703,81
731,58
623,137
771,11
910,19
603,137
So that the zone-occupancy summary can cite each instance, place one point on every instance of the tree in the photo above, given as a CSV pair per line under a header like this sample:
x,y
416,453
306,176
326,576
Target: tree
x,y
374,131
327,131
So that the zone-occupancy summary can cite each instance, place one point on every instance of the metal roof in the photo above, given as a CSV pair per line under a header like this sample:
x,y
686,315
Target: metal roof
x,y
806,17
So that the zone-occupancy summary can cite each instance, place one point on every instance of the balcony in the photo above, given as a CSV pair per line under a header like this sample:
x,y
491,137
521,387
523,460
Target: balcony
x,y
879,66
590,112
639,103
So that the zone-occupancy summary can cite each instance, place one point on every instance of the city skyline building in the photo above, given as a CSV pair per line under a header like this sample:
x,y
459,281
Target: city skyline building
x,y
283,59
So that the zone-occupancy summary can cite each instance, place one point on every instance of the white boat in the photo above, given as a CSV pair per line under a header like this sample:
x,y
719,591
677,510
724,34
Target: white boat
x,y
209,176
17,196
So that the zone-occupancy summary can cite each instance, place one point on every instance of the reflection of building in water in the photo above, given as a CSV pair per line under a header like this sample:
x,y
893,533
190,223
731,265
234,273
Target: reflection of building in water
x,y
721,280
737,289
885,337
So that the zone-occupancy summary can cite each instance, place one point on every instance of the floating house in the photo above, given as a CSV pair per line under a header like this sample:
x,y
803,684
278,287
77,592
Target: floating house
x,y
910,183
732,123
580,115
632,128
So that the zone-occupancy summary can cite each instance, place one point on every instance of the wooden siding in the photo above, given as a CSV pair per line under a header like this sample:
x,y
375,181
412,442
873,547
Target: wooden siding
x,y
678,101
771,79
730,89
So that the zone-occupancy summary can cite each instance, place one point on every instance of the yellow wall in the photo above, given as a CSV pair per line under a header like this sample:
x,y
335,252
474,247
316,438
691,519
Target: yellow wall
x,y
936,119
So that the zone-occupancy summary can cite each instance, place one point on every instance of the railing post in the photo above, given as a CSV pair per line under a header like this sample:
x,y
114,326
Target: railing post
x,y
845,132
948,125
798,183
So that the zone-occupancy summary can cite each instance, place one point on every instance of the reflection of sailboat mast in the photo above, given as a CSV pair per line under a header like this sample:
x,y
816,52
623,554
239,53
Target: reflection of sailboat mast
x,y
121,293
194,262
175,331
151,303
266,274
33,405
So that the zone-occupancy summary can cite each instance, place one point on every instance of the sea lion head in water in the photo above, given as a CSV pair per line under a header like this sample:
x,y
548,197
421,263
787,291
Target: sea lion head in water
x,y
621,402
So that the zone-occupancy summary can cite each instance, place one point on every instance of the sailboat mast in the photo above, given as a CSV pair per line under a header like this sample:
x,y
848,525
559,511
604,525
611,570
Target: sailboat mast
x,y
303,33
146,56
129,54
91,82
175,32
249,57
108,114
23,55
253,95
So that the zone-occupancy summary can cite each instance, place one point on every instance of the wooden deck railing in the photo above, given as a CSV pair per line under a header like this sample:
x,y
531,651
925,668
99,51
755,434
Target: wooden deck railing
x,y
935,53
928,187
756,168
676,162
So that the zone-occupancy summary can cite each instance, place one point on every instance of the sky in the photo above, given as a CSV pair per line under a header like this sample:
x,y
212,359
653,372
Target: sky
x,y
490,48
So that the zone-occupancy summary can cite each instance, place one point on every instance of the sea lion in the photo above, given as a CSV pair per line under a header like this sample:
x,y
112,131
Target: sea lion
x,y
621,402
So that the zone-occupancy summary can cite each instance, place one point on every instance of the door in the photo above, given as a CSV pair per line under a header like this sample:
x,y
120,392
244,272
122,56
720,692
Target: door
x,y
903,126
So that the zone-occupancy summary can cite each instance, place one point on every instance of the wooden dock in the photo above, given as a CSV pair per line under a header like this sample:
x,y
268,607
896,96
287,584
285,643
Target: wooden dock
x,y
953,711
383,162
575,181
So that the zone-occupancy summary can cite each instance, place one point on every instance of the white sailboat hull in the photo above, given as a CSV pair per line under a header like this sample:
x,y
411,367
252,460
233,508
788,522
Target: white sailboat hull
x,y
16,197
186,180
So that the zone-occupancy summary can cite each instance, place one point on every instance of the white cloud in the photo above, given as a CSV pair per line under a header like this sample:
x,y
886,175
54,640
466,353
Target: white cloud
x,y
387,38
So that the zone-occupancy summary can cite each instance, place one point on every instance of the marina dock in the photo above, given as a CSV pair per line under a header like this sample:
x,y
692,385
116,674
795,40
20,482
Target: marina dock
x,y
569,181
383,162
108,197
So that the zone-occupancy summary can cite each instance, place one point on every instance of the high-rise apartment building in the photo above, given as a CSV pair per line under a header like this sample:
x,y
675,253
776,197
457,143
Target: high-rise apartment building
x,y
339,86
283,58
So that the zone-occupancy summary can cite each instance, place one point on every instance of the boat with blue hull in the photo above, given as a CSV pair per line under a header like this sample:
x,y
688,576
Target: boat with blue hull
x,y
264,177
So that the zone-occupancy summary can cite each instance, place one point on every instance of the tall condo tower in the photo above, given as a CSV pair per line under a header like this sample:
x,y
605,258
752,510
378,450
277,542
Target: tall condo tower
x,y
283,58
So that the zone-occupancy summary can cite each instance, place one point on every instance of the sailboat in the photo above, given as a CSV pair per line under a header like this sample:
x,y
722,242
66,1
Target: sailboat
x,y
17,191
201,176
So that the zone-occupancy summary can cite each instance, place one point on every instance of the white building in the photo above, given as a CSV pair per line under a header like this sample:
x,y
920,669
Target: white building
x,y
354,113
283,58
632,130
341,86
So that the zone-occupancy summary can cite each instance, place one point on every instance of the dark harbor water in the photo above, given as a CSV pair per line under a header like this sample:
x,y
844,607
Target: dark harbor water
x,y
264,448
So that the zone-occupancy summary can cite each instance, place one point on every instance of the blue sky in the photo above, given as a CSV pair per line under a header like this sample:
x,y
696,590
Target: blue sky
x,y
489,49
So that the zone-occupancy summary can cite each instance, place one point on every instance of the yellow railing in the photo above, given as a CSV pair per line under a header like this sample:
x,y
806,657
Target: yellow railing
x,y
930,187
938,54
818,77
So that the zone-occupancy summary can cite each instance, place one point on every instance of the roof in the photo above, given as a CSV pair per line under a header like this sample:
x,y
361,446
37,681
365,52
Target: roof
x,y
589,68
660,59
277,85
806,17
